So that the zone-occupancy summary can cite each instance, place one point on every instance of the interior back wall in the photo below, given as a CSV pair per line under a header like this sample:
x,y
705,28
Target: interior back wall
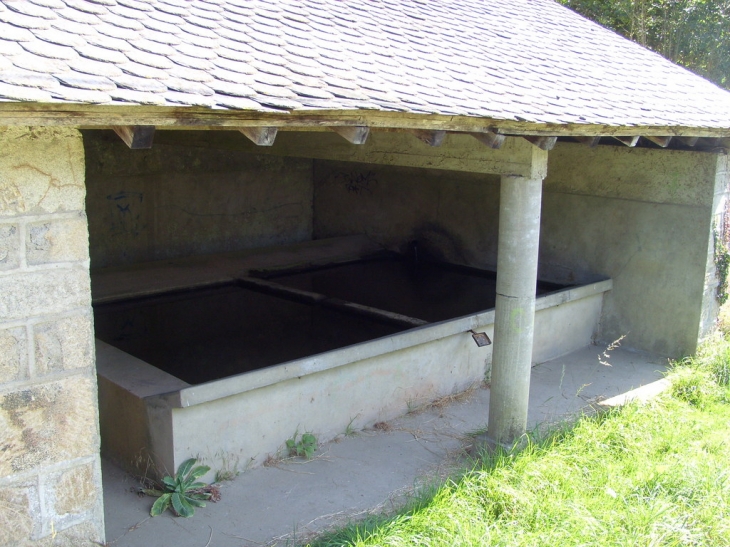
x,y
176,200
639,216
452,215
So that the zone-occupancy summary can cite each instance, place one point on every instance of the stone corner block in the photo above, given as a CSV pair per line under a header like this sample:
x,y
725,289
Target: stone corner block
x,y
48,423
64,240
13,355
20,511
27,294
9,246
41,170
71,497
63,344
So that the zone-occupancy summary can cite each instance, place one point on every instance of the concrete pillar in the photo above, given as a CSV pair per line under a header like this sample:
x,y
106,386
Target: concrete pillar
x,y
519,236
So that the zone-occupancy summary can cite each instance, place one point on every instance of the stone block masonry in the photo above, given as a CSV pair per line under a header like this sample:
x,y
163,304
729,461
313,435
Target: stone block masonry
x,y
50,477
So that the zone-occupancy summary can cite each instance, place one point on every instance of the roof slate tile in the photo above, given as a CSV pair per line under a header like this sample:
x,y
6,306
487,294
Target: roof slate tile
x,y
136,5
22,93
75,95
144,71
87,7
49,3
190,50
136,83
192,62
117,21
137,97
232,90
78,16
50,51
188,73
197,30
22,77
150,59
85,81
512,59
66,25
129,13
31,9
238,103
190,99
188,87
202,22
41,65
9,49
96,53
23,21
96,68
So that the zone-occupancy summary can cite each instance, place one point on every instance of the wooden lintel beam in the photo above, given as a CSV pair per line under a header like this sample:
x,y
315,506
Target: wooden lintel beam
x,y
543,143
431,138
137,137
492,140
356,134
660,141
688,141
628,141
260,136
590,141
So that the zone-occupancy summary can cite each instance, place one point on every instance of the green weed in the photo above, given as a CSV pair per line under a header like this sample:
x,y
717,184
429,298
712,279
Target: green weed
x,y
181,493
304,446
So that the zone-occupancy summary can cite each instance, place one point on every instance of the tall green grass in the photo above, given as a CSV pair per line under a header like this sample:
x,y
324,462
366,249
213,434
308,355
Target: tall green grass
x,y
656,474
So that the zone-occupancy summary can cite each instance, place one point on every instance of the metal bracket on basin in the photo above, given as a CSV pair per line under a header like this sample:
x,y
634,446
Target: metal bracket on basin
x,y
480,338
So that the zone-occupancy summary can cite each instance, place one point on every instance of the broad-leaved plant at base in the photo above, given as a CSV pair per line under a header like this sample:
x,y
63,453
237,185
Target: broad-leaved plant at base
x,y
181,493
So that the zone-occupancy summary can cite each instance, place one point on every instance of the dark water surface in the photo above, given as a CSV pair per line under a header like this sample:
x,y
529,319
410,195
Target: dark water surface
x,y
208,334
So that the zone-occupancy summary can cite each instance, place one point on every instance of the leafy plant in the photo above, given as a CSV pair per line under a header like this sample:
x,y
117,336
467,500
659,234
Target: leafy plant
x,y
305,447
182,493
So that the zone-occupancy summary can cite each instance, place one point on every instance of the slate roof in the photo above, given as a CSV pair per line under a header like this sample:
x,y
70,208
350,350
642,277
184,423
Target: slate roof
x,y
525,60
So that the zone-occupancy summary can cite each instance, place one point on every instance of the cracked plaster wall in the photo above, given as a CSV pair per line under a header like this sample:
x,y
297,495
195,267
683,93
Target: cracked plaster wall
x,y
50,478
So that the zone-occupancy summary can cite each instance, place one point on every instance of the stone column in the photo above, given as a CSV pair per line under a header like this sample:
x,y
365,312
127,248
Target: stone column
x,y
50,478
519,236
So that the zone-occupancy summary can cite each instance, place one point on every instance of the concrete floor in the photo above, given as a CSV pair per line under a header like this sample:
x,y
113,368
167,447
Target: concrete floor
x,y
372,470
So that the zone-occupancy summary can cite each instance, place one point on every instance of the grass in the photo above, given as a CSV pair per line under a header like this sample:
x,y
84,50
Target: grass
x,y
656,474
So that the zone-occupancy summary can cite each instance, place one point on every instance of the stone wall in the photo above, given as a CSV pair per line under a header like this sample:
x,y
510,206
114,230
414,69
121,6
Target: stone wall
x,y
181,198
50,478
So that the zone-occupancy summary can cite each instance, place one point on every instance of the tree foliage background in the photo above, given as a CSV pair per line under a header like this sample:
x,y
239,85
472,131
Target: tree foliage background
x,y
692,33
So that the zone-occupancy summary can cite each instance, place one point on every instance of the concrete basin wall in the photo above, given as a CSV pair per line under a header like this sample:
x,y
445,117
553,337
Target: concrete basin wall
x,y
237,422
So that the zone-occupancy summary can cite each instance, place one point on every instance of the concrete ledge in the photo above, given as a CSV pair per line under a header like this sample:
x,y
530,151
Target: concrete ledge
x,y
233,385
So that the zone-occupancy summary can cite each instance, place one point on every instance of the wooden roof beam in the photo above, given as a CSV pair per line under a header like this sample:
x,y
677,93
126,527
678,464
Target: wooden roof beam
x,y
660,141
356,134
431,138
492,140
628,141
137,137
589,141
260,136
688,141
543,143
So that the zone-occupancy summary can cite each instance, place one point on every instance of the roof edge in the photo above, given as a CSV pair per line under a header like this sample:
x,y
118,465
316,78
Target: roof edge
x,y
105,116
